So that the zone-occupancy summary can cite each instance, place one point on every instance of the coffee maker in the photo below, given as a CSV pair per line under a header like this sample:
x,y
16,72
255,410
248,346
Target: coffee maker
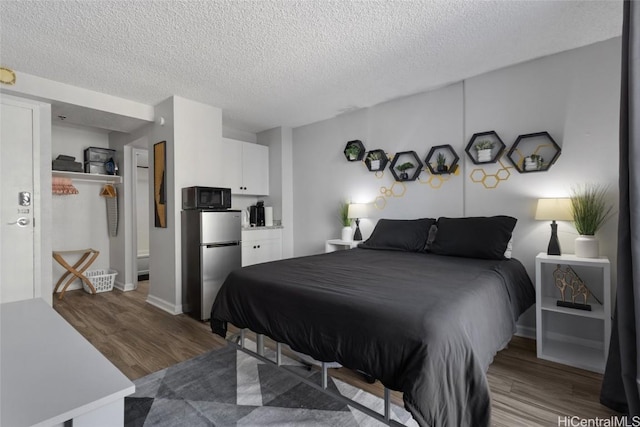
x,y
256,214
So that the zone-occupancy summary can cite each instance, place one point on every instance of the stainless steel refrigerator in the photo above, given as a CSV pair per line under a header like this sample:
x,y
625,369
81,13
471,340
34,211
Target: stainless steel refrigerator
x,y
211,245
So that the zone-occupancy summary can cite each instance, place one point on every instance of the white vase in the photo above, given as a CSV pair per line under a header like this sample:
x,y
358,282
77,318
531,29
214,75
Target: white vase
x,y
375,165
484,155
587,247
347,234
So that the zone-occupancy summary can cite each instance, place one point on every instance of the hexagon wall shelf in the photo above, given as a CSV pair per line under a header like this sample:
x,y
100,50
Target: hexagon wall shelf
x,y
534,152
376,165
496,151
451,159
402,158
351,153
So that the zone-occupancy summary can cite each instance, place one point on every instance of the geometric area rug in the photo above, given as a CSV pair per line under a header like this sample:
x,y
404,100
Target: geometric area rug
x,y
227,387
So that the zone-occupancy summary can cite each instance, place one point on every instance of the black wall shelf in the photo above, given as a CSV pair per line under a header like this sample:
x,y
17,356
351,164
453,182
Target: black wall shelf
x,y
371,163
534,152
451,159
402,158
353,145
496,151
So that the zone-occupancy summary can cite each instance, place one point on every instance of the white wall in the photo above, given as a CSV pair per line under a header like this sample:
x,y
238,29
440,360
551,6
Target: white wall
x,y
322,177
142,201
279,140
573,95
193,132
79,221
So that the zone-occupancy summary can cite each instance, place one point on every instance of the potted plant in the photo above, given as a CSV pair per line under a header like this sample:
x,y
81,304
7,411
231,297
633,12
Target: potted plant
x,y
533,162
403,168
484,149
345,221
375,158
441,160
590,209
352,152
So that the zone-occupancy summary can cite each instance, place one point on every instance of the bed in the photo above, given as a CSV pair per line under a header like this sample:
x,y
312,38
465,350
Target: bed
x,y
401,307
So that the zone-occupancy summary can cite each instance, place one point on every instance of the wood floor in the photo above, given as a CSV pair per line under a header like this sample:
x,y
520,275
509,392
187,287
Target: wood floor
x,y
140,339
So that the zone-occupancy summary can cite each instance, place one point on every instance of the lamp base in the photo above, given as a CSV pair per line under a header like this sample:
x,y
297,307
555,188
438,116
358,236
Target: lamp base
x,y
357,236
554,244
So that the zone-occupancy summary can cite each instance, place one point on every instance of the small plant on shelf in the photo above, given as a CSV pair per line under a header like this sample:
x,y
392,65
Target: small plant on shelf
x,y
352,152
403,168
441,160
533,162
484,148
374,158
484,145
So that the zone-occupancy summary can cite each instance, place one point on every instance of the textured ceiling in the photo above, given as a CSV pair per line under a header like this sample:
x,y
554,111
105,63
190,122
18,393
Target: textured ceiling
x,y
287,63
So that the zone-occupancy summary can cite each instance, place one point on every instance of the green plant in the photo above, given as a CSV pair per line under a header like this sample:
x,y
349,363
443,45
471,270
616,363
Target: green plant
x,y
343,214
374,155
404,166
353,151
484,145
441,159
590,208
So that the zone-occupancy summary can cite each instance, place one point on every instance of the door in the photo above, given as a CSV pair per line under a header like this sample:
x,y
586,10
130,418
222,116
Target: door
x,y
220,227
17,279
217,262
255,169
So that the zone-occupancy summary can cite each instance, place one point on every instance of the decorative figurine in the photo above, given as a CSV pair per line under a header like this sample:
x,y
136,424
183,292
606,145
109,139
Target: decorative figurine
x,y
570,279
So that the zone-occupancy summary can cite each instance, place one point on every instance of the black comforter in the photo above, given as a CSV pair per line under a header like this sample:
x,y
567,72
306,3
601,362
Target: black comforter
x,y
423,324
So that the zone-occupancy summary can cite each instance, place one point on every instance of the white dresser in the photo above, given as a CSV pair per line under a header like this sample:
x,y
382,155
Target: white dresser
x,y
50,374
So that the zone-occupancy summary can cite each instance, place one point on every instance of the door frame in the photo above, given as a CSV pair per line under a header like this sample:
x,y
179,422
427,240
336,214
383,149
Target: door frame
x,y
41,199
134,209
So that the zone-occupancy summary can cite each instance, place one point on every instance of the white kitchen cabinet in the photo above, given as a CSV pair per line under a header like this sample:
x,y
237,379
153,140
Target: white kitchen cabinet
x,y
245,167
261,245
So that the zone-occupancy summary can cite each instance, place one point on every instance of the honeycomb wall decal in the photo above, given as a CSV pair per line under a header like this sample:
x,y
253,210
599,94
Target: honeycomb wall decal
x,y
491,180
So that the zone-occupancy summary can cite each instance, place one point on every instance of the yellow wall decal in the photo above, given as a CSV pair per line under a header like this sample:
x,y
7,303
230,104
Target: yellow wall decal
x,y
7,76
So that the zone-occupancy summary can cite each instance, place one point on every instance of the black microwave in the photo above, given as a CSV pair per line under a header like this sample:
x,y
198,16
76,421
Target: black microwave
x,y
206,198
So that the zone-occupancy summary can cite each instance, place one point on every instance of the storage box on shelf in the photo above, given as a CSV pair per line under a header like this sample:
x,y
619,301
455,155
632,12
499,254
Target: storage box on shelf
x,y
572,336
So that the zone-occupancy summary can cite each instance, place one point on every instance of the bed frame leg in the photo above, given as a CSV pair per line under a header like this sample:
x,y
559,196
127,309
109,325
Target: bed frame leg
x,y
387,404
242,338
260,344
278,354
324,375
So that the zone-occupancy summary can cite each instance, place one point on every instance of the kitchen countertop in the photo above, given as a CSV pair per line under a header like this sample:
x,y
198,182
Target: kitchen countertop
x,y
272,227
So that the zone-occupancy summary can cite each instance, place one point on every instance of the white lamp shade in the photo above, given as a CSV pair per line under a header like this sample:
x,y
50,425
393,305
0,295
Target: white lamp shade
x,y
554,210
357,210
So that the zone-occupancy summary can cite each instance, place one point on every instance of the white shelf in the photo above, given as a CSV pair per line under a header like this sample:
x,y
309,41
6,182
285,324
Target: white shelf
x,y
580,356
566,335
571,259
333,245
549,304
80,176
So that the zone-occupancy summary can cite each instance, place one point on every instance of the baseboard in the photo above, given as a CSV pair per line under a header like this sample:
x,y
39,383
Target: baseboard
x,y
125,287
164,305
526,332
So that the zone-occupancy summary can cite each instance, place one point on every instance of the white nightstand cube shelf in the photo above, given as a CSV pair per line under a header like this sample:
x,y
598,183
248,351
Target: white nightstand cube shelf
x,y
572,336
333,245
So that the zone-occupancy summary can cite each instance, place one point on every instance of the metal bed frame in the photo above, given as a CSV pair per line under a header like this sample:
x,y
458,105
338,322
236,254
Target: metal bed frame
x,y
238,341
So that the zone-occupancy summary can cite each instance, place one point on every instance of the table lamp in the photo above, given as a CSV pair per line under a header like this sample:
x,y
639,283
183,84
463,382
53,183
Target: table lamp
x,y
554,210
357,211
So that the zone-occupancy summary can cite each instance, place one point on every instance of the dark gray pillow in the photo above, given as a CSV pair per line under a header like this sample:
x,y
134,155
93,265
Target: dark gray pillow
x,y
409,235
473,237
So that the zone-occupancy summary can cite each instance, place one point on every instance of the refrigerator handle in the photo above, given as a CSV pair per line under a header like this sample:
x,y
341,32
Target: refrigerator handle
x,y
221,245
